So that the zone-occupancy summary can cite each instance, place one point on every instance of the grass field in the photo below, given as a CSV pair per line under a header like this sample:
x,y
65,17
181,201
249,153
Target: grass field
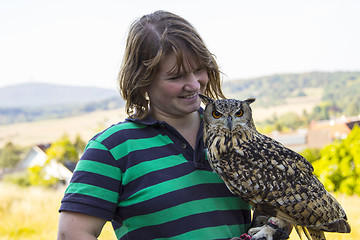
x,y
47,131
31,214
87,125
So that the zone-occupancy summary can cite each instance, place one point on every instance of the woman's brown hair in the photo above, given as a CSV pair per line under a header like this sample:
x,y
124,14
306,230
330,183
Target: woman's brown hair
x,y
150,39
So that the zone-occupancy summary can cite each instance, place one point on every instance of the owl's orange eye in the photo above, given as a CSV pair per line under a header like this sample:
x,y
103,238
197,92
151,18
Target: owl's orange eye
x,y
216,114
239,113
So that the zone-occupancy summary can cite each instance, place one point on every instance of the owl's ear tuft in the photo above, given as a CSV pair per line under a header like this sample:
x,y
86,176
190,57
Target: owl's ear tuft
x,y
250,100
205,99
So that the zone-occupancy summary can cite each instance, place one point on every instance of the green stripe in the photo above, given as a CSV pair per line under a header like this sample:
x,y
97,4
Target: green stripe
x,y
192,179
113,129
95,145
144,168
99,168
218,232
130,145
181,211
94,191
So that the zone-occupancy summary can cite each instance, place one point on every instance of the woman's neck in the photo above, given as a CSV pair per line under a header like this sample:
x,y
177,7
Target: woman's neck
x,y
187,125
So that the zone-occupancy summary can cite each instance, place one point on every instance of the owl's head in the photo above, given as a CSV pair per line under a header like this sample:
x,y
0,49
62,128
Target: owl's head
x,y
230,114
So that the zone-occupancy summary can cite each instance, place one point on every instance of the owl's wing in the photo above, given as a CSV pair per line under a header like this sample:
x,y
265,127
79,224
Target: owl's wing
x,y
275,178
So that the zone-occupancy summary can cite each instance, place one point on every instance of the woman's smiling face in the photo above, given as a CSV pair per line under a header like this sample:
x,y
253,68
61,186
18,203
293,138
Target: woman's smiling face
x,y
175,92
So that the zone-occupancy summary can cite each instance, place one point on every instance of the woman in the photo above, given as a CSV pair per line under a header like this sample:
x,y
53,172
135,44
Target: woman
x,y
149,174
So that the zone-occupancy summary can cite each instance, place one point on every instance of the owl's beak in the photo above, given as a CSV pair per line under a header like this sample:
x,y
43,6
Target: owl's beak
x,y
229,122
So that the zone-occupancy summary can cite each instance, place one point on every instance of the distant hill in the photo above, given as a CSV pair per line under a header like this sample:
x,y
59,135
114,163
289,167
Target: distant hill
x,y
340,91
44,95
335,93
36,101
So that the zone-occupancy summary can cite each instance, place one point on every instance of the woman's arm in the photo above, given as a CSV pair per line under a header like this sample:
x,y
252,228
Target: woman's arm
x,y
73,225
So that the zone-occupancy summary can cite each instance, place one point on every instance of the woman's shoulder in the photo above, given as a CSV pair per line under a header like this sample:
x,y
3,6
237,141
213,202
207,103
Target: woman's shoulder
x,y
118,129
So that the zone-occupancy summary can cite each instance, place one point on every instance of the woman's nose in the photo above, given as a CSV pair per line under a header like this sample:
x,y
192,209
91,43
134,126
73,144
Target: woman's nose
x,y
192,83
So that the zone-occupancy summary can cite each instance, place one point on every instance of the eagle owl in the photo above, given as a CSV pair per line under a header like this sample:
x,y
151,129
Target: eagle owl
x,y
274,179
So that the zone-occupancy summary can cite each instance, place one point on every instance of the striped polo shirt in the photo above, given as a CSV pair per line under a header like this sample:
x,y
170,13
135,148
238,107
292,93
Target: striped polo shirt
x,y
145,178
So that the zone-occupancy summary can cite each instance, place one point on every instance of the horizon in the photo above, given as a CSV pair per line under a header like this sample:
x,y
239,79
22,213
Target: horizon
x,y
224,81
81,43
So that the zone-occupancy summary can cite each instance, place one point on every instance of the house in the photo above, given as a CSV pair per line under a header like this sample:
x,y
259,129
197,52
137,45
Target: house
x,y
318,134
296,141
37,156
322,133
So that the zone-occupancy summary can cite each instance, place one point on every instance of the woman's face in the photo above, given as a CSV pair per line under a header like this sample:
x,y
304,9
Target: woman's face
x,y
175,93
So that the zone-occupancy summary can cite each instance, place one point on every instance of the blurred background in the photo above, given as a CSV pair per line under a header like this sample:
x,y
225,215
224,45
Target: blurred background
x,y
59,63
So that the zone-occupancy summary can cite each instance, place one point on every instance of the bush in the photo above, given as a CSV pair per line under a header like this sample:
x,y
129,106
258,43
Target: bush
x,y
339,165
21,178
37,177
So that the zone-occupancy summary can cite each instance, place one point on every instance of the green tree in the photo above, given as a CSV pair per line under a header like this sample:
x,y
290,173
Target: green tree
x,y
339,165
37,177
311,154
63,150
10,155
79,144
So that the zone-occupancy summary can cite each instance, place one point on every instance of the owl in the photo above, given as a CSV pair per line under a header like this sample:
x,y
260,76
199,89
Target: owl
x,y
272,178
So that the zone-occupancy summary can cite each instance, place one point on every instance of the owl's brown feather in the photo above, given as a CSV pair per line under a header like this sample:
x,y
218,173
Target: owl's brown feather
x,y
265,173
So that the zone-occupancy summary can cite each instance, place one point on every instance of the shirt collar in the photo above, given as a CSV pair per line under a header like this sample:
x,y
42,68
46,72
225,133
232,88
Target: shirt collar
x,y
149,120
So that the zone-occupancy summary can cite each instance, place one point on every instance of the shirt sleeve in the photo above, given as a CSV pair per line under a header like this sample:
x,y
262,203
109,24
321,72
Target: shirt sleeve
x,y
96,184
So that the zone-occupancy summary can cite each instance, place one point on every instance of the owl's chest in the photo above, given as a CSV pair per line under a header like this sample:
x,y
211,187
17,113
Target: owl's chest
x,y
232,154
222,153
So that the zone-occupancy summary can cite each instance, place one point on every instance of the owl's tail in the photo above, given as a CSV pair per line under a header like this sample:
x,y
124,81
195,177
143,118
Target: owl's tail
x,y
311,234
341,226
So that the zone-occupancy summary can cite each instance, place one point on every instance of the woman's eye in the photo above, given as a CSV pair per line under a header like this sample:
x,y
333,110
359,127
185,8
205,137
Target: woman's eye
x,y
200,69
239,113
216,114
175,77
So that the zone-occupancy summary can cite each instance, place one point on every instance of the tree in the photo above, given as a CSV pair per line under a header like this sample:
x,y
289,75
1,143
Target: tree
x,y
79,144
10,155
339,165
63,150
311,154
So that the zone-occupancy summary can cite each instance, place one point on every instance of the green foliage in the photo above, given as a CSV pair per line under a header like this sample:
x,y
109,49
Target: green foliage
x,y
79,144
340,93
37,177
63,150
286,122
338,167
21,179
10,155
311,154
339,87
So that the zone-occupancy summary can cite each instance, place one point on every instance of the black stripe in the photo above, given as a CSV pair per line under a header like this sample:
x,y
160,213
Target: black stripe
x,y
98,180
156,177
175,198
94,206
149,154
190,223
125,134
99,155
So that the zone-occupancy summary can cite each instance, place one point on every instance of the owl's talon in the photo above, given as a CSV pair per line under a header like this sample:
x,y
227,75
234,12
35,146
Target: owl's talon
x,y
274,229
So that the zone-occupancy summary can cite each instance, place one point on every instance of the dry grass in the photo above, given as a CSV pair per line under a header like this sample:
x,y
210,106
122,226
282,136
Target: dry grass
x,y
295,105
31,213
46,131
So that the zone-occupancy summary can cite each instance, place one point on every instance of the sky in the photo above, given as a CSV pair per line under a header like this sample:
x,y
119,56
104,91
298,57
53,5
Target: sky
x,y
81,42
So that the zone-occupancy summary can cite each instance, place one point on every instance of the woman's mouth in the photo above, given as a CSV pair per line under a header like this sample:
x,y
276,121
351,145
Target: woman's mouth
x,y
190,96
